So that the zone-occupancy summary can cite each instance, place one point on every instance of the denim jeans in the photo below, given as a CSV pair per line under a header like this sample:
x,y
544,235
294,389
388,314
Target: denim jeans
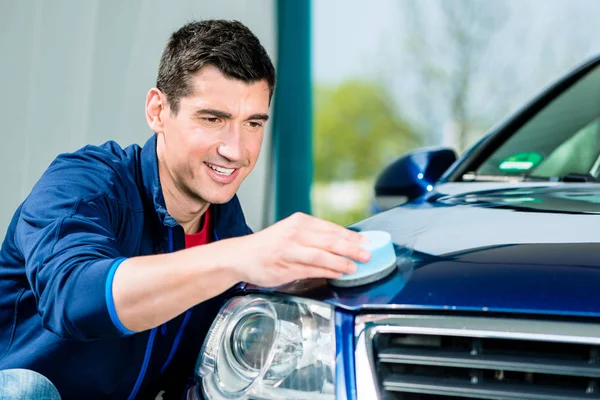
x,y
18,384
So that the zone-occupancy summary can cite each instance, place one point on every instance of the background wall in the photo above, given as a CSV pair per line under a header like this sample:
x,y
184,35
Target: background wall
x,y
77,72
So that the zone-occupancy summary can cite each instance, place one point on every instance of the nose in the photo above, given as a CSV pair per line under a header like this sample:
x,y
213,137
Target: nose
x,y
231,146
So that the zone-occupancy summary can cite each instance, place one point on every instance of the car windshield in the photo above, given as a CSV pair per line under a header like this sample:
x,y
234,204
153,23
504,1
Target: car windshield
x,y
561,142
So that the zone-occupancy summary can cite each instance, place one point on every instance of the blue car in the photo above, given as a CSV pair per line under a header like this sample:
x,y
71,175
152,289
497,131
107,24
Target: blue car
x,y
496,289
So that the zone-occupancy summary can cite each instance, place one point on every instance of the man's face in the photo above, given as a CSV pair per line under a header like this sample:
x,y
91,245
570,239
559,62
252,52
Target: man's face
x,y
213,142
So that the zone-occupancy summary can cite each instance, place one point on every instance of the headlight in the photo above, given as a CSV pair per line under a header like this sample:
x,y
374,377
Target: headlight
x,y
267,348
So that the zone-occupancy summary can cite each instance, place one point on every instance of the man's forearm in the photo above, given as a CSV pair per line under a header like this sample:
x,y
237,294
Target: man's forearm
x,y
150,290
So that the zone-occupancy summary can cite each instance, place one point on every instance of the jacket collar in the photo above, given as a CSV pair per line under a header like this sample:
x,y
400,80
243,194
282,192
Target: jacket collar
x,y
228,219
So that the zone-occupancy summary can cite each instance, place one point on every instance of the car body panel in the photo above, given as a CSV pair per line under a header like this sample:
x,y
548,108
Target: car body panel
x,y
345,366
516,248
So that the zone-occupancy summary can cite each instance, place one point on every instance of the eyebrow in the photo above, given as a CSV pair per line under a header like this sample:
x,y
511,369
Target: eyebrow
x,y
226,115
216,113
263,117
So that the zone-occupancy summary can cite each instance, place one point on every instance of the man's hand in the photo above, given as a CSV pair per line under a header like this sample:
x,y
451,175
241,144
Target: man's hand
x,y
298,247
150,290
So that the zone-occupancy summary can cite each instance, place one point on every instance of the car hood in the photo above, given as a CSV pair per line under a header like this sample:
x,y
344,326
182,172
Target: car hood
x,y
489,248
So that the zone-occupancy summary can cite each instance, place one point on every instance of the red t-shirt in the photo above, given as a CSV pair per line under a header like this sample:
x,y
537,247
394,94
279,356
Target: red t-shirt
x,y
204,236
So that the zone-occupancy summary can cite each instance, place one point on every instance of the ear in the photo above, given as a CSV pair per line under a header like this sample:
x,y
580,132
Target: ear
x,y
156,106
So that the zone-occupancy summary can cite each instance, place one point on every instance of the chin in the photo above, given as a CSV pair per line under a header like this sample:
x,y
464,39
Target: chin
x,y
214,193
220,198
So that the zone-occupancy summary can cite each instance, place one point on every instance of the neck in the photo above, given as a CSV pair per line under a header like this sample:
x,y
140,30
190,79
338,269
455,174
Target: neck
x,y
186,209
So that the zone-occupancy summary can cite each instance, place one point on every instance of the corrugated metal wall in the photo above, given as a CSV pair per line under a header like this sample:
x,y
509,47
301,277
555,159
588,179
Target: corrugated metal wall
x,y
77,72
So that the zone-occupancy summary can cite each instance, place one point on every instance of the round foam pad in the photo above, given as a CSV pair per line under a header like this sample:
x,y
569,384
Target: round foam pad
x,y
381,264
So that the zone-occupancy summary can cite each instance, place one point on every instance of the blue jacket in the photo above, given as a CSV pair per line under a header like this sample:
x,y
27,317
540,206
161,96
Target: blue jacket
x,y
89,211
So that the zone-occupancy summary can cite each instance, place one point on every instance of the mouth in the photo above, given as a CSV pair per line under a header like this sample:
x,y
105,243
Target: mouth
x,y
221,170
221,174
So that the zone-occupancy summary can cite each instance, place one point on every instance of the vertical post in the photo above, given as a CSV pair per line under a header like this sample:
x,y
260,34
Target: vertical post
x,y
292,125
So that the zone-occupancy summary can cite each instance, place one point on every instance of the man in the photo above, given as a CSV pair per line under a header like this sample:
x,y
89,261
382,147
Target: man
x,y
113,267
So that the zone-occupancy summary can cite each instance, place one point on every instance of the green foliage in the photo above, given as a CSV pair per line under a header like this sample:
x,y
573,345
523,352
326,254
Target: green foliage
x,y
357,131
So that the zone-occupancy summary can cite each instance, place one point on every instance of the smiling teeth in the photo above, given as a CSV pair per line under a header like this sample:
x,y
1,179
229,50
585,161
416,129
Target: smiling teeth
x,y
221,170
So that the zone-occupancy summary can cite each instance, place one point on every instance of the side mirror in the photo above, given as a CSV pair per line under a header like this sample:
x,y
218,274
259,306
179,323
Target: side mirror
x,y
411,176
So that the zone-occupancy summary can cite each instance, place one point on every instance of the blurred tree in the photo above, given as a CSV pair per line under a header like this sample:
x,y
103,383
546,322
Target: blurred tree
x,y
448,57
465,64
357,131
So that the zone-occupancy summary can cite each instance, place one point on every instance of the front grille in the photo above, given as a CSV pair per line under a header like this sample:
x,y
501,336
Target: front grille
x,y
478,364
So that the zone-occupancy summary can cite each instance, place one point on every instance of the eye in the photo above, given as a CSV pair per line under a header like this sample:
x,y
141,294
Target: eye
x,y
254,124
211,120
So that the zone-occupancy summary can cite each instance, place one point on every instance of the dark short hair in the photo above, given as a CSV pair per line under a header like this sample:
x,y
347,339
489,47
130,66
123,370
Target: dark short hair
x,y
228,45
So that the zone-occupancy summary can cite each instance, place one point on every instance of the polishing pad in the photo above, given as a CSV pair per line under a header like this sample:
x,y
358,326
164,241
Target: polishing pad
x,y
381,264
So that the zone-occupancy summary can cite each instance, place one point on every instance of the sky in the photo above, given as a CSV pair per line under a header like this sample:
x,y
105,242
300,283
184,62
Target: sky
x,y
350,37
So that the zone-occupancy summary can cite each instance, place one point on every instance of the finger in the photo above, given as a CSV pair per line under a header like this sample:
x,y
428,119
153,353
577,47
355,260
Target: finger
x,y
300,271
334,244
321,225
316,257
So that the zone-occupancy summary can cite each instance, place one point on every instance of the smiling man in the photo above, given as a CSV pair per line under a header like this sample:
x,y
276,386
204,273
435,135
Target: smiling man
x,y
113,268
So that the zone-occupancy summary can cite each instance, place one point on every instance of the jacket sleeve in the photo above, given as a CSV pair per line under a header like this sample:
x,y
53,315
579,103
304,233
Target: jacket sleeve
x,y
67,235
